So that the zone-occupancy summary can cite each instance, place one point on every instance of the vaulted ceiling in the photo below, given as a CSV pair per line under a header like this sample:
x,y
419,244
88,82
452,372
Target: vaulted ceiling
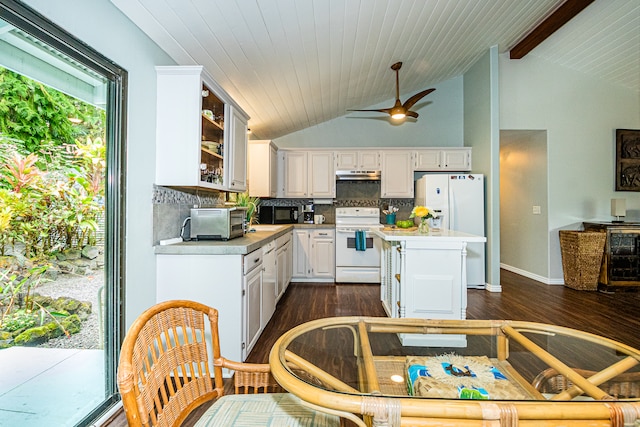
x,y
292,64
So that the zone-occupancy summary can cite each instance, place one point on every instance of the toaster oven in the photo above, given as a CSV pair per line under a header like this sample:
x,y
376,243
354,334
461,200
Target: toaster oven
x,y
217,223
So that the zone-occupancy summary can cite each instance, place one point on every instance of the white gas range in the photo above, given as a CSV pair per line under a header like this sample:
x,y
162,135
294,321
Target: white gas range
x,y
357,249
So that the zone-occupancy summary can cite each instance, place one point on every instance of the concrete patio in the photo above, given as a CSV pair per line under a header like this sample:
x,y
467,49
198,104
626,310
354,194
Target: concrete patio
x,y
49,387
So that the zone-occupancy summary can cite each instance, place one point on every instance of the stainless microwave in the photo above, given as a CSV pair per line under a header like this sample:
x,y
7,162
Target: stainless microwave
x,y
278,214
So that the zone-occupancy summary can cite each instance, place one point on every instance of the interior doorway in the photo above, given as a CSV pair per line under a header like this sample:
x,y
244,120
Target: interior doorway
x,y
524,221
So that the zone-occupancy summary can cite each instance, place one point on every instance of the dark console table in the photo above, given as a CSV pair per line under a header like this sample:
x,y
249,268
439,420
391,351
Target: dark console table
x,y
621,261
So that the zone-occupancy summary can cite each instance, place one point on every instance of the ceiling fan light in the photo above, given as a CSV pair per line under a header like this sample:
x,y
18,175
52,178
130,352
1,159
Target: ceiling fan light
x,y
398,113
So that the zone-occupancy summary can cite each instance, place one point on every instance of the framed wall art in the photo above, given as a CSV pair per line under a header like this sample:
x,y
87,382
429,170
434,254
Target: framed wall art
x,y
627,160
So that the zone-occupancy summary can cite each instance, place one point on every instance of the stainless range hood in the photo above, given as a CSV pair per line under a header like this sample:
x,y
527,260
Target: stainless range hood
x,y
357,175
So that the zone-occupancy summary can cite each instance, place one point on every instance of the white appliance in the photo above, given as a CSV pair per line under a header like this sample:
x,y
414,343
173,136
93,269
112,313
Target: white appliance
x,y
458,199
352,265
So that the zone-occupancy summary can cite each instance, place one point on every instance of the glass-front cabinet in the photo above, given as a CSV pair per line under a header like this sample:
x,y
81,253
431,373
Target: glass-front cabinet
x,y
212,144
201,133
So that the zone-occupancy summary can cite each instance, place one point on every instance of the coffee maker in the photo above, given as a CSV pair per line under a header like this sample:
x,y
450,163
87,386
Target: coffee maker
x,y
307,214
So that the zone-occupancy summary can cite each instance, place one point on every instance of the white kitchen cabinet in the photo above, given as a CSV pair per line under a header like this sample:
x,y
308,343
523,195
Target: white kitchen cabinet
x,y
323,253
269,283
215,280
396,178
301,254
295,170
308,174
450,159
233,284
238,150
314,255
252,290
284,263
200,132
358,160
263,168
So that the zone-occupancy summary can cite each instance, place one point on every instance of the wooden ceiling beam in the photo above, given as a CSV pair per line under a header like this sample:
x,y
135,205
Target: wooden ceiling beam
x,y
557,19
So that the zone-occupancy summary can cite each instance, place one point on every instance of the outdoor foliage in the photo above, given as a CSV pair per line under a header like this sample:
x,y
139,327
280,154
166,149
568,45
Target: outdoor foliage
x,y
52,173
52,169
35,114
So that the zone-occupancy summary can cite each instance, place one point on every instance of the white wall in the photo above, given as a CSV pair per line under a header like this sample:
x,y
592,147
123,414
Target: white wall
x,y
580,115
103,27
524,240
481,132
439,125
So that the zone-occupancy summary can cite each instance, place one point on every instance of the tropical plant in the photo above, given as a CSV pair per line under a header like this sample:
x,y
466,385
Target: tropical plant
x,y
14,286
251,203
32,113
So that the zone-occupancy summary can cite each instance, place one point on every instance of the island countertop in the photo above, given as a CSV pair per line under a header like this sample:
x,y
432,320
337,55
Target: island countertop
x,y
434,235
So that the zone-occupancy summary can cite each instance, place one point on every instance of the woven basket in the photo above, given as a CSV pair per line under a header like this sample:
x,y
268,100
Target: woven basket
x,y
582,253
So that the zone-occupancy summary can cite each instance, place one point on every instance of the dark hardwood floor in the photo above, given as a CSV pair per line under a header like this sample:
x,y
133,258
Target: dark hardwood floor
x,y
613,315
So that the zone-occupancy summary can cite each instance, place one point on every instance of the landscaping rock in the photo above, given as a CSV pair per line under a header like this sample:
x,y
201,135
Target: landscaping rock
x,y
66,267
37,335
90,252
72,254
53,329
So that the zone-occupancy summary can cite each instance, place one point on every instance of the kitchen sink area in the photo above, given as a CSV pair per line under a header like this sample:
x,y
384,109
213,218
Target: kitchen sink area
x,y
266,227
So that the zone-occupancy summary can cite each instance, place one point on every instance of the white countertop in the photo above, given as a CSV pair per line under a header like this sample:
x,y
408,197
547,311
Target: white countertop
x,y
434,235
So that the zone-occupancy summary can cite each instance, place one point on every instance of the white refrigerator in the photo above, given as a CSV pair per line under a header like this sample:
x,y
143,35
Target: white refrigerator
x,y
458,199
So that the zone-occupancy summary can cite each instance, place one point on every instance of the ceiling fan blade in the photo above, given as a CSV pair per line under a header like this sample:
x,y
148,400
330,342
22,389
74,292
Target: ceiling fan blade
x,y
382,110
417,97
412,114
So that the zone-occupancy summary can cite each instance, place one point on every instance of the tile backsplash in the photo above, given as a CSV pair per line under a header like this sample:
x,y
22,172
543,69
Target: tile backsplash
x,y
350,193
171,206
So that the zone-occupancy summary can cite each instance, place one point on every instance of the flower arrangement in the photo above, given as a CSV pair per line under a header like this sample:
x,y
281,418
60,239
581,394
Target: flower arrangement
x,y
424,214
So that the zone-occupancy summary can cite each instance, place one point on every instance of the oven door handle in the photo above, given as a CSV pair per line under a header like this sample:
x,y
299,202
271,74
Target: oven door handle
x,y
352,230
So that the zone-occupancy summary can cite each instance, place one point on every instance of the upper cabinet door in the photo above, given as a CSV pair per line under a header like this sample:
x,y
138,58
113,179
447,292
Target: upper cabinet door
x,y
369,160
397,174
358,160
263,168
238,163
457,160
427,160
346,160
295,174
322,177
441,159
308,174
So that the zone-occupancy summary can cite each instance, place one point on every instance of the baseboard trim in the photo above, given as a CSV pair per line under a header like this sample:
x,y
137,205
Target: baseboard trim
x,y
536,277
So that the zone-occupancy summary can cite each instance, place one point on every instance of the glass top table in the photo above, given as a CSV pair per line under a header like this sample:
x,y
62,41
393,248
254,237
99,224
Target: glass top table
x,y
510,372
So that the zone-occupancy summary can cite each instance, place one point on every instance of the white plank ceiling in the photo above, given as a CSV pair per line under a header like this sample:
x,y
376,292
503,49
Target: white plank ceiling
x,y
292,64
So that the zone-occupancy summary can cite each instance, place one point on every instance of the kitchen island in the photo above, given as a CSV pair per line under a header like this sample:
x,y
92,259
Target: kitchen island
x,y
425,276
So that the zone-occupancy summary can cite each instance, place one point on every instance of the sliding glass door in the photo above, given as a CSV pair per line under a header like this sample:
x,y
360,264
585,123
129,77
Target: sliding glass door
x,y
62,174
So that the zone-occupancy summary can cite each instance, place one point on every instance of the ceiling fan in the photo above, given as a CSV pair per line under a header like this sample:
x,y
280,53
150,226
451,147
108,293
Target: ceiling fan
x,y
399,111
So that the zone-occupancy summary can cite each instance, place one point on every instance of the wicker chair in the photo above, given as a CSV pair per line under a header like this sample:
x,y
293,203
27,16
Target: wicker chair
x,y
623,386
164,373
